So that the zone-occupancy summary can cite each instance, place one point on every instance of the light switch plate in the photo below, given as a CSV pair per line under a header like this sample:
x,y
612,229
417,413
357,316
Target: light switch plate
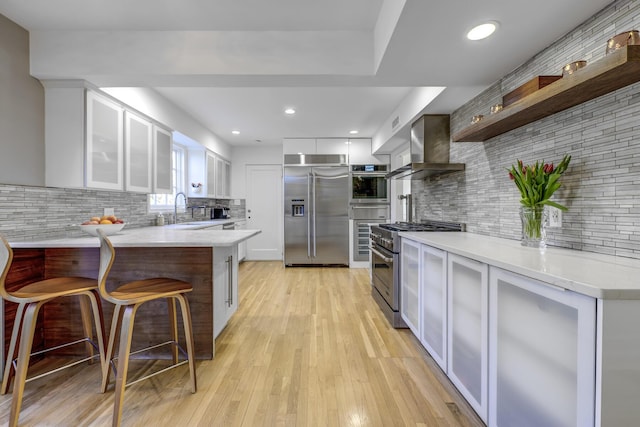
x,y
108,211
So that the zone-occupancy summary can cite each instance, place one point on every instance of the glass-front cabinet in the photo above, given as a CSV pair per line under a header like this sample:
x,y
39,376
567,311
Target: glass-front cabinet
x,y
162,149
94,141
433,303
104,149
138,153
409,285
468,285
541,355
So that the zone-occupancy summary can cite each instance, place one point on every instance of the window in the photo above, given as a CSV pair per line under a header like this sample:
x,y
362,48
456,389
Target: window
x,y
165,202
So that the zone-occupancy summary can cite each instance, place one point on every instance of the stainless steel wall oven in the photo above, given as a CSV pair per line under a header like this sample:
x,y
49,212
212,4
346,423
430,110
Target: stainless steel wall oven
x,y
367,184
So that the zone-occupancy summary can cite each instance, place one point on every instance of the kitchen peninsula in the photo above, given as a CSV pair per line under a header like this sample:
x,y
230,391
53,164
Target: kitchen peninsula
x,y
207,258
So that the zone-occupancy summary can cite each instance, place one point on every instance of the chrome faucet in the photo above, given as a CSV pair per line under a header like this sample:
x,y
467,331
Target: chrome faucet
x,y
175,206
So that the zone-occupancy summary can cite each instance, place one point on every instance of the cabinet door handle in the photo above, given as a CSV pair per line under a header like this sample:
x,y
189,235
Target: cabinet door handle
x,y
230,280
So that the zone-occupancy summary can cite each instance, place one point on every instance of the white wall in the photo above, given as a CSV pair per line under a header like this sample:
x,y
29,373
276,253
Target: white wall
x,y
21,110
250,155
388,138
154,105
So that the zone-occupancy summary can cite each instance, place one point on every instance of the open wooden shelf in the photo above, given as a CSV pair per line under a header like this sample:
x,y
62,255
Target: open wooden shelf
x,y
616,70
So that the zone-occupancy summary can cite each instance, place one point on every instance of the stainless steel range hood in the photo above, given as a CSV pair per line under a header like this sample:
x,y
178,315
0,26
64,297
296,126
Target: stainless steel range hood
x,y
430,141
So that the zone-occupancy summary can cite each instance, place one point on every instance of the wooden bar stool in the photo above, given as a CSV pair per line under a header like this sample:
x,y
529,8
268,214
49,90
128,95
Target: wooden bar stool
x,y
30,298
127,299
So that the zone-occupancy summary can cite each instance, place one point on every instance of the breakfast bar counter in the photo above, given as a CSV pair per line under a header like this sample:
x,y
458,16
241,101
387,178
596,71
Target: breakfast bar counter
x,y
185,235
206,258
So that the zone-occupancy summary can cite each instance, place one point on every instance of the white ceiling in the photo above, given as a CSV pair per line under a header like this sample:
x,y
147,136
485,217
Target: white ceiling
x,y
343,64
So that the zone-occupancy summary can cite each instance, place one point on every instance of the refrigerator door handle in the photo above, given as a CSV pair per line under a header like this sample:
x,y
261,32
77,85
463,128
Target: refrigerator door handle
x,y
313,212
309,210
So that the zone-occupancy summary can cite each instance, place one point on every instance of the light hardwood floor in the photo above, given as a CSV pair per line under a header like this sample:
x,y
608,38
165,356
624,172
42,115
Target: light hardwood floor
x,y
307,347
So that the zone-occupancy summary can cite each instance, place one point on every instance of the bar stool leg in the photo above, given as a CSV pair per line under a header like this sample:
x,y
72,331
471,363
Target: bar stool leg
x,y
123,361
96,304
173,328
86,324
24,353
114,334
188,328
8,368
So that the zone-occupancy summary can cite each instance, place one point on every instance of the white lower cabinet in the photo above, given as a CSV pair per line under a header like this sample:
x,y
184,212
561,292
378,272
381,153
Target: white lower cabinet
x,y
410,285
468,286
225,286
433,303
541,355
242,246
523,352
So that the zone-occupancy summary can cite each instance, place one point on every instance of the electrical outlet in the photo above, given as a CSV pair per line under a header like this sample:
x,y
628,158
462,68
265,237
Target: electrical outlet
x,y
108,211
555,217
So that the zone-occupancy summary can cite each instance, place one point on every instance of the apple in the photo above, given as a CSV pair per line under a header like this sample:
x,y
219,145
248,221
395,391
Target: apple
x,y
105,221
95,218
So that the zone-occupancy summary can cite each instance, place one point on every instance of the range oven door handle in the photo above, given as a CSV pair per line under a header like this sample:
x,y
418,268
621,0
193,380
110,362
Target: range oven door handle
x,y
380,254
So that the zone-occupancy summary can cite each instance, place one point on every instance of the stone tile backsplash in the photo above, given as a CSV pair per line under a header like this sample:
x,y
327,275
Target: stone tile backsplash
x,y
601,188
28,213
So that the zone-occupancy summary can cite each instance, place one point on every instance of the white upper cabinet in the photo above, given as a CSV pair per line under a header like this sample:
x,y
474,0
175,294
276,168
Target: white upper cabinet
x,y
138,153
299,146
316,146
360,153
162,168
104,150
214,172
332,146
223,178
93,141
211,174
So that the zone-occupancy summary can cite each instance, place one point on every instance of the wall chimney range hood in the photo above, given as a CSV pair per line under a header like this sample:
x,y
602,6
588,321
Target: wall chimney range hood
x,y
430,141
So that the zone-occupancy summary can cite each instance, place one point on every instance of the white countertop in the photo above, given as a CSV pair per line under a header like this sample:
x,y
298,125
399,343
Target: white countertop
x,y
181,235
596,275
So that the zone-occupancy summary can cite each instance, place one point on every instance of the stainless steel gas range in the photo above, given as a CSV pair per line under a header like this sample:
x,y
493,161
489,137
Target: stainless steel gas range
x,y
385,263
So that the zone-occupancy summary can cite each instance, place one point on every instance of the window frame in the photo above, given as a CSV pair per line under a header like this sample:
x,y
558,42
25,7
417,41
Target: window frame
x,y
178,173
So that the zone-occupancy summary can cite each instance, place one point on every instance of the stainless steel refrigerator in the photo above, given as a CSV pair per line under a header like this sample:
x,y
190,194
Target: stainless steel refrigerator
x,y
316,222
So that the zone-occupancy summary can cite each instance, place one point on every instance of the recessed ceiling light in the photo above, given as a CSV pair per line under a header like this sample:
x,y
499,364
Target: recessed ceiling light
x,y
289,111
353,132
482,31
235,132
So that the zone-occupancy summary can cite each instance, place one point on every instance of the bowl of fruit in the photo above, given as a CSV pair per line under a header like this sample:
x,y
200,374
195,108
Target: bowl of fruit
x,y
109,224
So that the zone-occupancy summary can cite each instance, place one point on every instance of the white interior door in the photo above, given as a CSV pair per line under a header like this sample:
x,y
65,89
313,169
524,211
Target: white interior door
x,y
264,212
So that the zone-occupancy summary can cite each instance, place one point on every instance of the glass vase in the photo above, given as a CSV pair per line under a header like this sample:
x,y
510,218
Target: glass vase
x,y
534,221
